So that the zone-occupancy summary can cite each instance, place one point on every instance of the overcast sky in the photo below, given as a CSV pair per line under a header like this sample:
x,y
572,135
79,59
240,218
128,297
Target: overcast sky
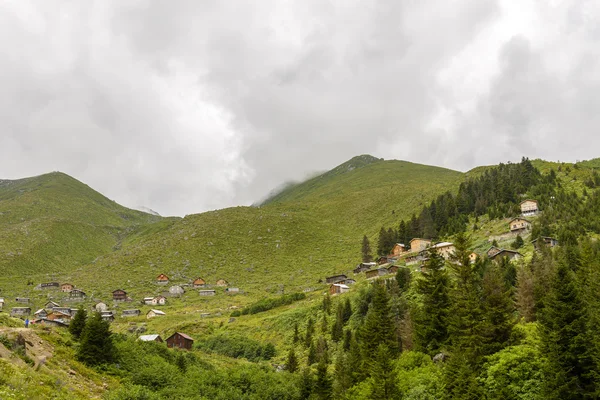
x,y
187,106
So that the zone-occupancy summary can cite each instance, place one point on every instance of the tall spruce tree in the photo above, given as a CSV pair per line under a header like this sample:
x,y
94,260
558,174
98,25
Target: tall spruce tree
x,y
378,327
383,383
292,361
78,323
570,366
322,388
96,346
431,329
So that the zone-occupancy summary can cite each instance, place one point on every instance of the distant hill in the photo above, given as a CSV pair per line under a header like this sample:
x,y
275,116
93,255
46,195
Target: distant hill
x,y
53,222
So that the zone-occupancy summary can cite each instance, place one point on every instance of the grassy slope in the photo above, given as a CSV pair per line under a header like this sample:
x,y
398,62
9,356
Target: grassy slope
x,y
53,222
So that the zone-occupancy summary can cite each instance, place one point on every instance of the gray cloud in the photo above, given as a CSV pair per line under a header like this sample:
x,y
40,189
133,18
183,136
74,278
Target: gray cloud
x,y
190,106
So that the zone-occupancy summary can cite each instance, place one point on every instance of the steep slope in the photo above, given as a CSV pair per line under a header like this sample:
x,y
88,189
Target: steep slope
x,y
366,192
53,222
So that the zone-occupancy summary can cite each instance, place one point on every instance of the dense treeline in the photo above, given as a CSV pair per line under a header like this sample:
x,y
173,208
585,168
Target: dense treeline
x,y
238,346
497,192
496,335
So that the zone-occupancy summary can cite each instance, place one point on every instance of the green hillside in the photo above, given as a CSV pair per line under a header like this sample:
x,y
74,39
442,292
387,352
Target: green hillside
x,y
53,222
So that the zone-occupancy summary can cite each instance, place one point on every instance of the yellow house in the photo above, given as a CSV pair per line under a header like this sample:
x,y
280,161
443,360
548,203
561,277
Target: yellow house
x,y
519,224
418,244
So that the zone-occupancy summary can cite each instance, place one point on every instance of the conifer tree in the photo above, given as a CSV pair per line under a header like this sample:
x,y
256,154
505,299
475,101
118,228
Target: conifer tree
x,y
403,278
311,358
306,384
292,362
570,366
322,388
431,322
378,327
78,323
498,310
383,384
310,330
326,305
96,346
342,376
366,250
337,329
347,311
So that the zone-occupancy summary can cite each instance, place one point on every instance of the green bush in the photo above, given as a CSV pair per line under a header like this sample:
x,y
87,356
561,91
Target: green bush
x,y
268,304
238,346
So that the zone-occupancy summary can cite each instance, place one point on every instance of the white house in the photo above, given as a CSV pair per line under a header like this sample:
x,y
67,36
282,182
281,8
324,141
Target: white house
x,y
154,313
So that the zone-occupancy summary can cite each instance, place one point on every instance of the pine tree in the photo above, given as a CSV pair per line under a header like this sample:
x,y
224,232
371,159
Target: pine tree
x,y
337,329
565,340
96,346
322,387
431,322
324,324
78,323
498,308
378,327
382,242
383,385
366,250
347,311
322,350
310,330
306,384
342,376
292,362
311,358
403,278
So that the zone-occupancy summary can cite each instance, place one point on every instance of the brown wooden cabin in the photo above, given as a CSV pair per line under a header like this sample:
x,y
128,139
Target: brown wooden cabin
x,y
66,287
545,241
492,251
519,224
119,295
222,282
418,244
199,282
398,249
529,207
77,294
335,278
364,267
511,254
162,279
338,288
180,340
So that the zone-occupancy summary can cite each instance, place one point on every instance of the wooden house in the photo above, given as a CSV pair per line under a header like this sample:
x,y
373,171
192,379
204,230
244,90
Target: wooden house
x,y
338,288
108,316
529,207
66,287
154,313
232,290
41,313
20,311
510,254
374,273
492,251
66,310
392,269
119,295
419,244
199,282
162,279
23,300
208,292
222,282
176,290
545,241
398,249
382,260
59,315
335,278
518,225
131,313
77,294
445,249
362,267
51,322
151,338
348,281
49,285
155,301
50,305
180,340
100,306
